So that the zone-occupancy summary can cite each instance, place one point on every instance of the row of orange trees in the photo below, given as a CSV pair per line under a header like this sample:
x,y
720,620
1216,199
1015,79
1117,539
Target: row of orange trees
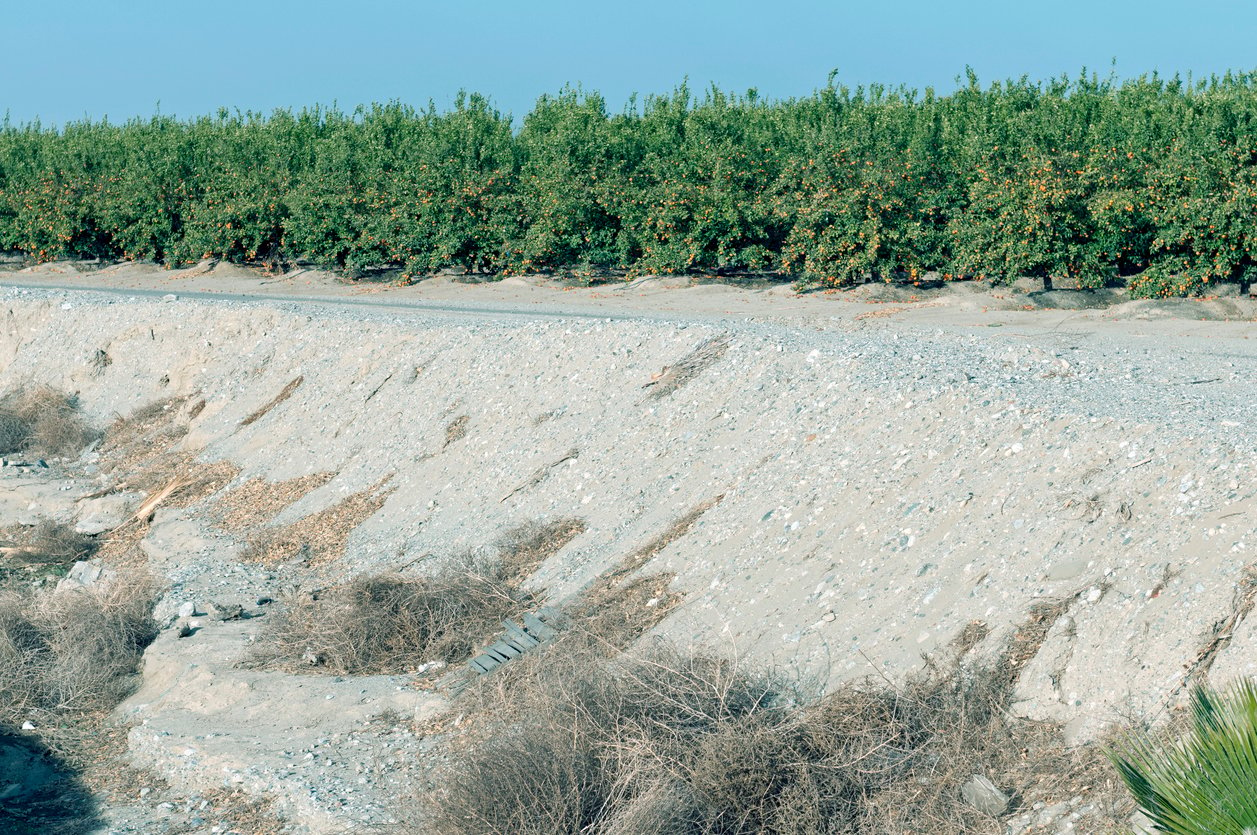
x,y
1149,181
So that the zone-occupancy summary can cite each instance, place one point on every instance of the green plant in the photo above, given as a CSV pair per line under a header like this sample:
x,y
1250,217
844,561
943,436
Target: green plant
x,y
1083,177
1206,783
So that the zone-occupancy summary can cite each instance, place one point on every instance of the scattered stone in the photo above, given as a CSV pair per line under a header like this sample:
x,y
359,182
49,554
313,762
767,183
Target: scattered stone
x,y
28,726
226,611
170,297
312,658
983,795
187,610
183,629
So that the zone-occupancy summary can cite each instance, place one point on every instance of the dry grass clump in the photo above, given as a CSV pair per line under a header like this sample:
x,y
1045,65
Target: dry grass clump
x,y
320,537
48,543
675,377
71,651
146,432
391,624
691,744
42,421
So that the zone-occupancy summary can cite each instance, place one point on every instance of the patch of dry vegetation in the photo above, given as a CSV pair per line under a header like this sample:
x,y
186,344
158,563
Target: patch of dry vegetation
x,y
674,743
619,608
172,479
47,543
457,429
522,550
139,453
42,421
258,501
390,623
285,393
321,537
71,652
675,377
146,433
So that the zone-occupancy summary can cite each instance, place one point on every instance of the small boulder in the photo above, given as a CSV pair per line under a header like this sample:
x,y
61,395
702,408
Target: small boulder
x,y
226,611
96,516
85,574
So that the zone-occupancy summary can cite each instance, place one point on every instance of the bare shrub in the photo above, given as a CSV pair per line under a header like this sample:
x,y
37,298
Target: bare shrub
x,y
575,731
691,744
390,624
71,651
50,543
42,421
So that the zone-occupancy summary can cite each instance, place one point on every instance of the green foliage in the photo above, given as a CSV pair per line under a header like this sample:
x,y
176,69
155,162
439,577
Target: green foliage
x,y
1151,180
1206,784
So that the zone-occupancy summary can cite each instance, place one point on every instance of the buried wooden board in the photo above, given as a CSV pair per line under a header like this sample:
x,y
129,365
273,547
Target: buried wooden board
x,y
516,641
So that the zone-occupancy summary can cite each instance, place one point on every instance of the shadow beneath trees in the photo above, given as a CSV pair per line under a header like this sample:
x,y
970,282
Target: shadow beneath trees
x,y
39,793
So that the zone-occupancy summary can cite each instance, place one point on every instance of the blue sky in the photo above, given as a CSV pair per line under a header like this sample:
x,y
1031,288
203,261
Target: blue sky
x,y
66,59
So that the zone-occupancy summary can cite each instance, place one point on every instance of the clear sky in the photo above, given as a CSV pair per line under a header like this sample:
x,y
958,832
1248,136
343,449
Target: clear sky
x,y
66,59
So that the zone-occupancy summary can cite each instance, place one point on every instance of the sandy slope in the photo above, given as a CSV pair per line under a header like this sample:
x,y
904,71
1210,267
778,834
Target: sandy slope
x,y
883,474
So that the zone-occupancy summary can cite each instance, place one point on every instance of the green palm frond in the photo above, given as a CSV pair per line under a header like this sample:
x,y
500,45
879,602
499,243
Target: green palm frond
x,y
1206,783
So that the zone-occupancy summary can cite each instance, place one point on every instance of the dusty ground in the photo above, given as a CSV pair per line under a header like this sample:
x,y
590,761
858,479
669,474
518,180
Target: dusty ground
x,y
877,470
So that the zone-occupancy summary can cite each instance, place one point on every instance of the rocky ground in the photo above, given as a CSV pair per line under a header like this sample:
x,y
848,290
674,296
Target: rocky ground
x,y
865,476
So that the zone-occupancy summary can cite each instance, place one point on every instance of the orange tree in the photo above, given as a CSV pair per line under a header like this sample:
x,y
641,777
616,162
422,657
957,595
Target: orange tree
x,y
1204,206
574,165
50,186
1028,217
700,196
445,198
241,173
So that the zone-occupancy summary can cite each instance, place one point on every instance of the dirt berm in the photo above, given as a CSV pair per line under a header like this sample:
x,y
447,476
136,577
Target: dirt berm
x,y
862,487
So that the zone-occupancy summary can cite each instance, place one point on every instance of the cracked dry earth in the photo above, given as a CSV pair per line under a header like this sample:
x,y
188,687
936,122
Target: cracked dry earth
x,y
842,494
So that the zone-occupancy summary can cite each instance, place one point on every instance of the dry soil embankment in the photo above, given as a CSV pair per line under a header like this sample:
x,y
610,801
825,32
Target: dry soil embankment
x,y
870,488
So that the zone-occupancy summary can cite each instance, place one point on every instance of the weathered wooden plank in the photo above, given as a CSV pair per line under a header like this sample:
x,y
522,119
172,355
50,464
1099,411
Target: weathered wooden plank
x,y
482,664
497,656
516,634
538,629
506,649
